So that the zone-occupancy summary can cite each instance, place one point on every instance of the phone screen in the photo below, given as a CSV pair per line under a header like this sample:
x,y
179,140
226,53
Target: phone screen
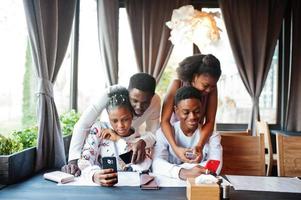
x,y
190,155
109,163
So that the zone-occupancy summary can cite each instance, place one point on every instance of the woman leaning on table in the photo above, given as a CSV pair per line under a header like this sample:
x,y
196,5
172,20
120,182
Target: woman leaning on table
x,y
202,72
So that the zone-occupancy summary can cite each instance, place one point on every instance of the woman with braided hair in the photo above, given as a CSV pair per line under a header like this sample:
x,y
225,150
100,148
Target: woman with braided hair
x,y
111,140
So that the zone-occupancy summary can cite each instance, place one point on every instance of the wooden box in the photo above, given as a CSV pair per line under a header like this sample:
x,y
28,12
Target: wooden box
x,y
202,191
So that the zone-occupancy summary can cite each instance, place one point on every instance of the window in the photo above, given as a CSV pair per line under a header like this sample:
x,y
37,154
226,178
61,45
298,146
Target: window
x,y
17,76
179,52
234,102
91,77
126,55
62,85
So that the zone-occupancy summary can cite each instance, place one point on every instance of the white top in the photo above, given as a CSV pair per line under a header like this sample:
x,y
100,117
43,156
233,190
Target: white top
x,y
95,148
167,163
150,117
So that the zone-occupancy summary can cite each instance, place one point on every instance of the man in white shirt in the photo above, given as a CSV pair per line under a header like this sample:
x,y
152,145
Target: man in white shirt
x,y
146,104
187,134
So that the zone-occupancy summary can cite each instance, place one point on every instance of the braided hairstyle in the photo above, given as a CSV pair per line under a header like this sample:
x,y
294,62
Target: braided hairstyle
x,y
119,97
199,64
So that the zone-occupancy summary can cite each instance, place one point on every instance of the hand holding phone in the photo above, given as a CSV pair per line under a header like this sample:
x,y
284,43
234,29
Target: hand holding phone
x,y
105,177
108,176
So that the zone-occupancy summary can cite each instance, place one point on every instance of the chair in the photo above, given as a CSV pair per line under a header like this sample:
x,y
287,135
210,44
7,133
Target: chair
x,y
246,132
270,157
243,155
289,155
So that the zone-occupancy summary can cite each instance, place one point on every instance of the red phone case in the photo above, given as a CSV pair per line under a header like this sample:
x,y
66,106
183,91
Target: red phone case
x,y
212,165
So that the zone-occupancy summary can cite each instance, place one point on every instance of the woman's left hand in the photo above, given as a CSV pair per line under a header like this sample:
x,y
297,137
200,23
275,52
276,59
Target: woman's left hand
x,y
108,134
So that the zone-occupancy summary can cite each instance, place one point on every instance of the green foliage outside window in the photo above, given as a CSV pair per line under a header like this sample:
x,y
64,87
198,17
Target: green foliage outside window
x,y
27,138
9,145
68,121
166,78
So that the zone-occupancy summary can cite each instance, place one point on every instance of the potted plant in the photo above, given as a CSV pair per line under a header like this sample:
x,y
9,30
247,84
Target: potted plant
x,y
17,155
18,152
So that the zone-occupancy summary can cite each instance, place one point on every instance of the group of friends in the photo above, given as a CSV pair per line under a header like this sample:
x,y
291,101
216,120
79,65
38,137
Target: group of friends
x,y
176,139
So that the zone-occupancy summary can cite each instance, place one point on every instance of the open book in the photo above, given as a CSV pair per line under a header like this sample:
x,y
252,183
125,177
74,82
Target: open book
x,y
59,177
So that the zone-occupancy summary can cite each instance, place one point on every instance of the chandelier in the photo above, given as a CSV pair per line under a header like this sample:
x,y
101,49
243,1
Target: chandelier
x,y
189,25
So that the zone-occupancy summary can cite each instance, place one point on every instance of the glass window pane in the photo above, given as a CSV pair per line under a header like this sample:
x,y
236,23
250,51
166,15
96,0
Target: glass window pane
x,y
268,97
62,84
17,76
234,102
179,52
126,55
91,78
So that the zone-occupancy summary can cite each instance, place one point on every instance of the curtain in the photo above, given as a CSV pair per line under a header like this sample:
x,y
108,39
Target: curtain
x,y
150,34
293,117
253,28
49,24
107,17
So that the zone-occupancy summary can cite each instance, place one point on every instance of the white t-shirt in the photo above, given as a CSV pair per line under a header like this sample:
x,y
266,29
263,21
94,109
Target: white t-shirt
x,y
166,162
150,119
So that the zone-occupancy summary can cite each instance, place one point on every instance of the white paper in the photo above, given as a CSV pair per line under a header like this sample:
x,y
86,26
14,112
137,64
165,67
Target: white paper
x,y
269,184
124,179
164,181
130,179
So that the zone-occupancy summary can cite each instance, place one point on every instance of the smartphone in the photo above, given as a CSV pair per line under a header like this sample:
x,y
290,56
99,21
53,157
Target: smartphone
x,y
109,163
190,155
126,157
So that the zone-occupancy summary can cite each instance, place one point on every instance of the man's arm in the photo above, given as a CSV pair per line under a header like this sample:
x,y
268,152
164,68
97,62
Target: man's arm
x,y
152,122
147,138
83,125
161,153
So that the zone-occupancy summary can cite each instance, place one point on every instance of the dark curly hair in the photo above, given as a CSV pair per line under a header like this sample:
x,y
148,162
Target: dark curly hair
x,y
119,97
143,82
187,92
199,64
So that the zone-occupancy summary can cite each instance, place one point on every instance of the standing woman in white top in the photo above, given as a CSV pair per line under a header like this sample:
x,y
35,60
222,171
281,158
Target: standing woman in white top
x,y
146,105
